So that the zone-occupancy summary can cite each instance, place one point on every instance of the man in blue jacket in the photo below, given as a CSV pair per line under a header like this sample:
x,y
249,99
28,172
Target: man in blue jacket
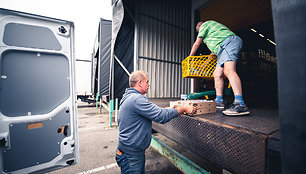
x,y
136,114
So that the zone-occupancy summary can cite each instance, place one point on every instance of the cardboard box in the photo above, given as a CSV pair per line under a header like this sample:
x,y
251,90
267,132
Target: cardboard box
x,y
203,106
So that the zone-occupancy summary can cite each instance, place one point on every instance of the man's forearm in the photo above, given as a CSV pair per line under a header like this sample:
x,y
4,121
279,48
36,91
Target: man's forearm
x,y
194,49
195,46
180,109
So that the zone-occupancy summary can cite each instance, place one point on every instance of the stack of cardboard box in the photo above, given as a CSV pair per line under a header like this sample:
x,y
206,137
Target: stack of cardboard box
x,y
203,106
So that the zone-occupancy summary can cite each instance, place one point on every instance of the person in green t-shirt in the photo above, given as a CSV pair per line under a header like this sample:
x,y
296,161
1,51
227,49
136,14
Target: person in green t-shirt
x,y
222,42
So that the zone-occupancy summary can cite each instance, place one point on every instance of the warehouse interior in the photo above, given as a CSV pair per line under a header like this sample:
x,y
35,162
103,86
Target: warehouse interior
x,y
257,66
157,36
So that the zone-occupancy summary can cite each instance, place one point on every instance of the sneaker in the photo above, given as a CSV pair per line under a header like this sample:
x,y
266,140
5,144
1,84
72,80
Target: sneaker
x,y
235,110
220,105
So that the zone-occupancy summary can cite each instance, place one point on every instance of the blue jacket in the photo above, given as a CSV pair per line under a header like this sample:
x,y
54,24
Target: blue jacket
x,y
135,118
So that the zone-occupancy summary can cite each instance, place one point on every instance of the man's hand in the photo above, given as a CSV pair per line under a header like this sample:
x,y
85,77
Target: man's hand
x,y
189,109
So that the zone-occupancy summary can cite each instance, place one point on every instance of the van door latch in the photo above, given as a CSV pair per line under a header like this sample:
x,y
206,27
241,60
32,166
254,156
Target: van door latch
x,y
63,130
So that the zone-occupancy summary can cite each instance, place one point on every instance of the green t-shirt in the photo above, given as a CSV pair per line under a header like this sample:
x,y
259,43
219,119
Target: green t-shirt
x,y
214,34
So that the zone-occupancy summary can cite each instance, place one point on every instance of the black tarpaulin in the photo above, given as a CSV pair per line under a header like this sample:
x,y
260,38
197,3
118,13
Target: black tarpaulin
x,y
101,59
105,36
123,44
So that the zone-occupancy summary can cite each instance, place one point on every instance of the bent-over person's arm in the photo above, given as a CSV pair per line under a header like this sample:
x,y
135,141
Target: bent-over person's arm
x,y
196,45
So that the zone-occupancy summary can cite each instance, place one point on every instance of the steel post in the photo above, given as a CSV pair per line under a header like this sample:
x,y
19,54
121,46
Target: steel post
x,y
111,110
116,110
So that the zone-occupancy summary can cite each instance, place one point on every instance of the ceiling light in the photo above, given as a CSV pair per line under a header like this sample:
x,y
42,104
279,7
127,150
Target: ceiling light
x,y
271,42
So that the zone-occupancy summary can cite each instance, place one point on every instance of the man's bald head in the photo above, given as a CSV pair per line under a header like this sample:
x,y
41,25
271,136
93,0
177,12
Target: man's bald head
x,y
136,76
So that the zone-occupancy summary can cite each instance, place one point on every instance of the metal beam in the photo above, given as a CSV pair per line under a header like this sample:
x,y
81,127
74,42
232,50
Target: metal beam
x,y
159,60
105,106
178,160
122,66
136,32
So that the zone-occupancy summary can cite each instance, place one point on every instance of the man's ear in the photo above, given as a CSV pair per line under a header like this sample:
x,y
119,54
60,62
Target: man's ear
x,y
140,83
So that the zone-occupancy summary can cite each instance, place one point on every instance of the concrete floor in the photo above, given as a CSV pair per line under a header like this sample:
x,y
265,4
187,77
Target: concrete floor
x,y
97,145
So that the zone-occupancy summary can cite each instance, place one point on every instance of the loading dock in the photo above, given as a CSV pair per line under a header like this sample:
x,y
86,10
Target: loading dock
x,y
162,33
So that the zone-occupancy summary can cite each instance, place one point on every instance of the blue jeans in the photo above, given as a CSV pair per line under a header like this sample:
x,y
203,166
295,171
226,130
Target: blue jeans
x,y
131,164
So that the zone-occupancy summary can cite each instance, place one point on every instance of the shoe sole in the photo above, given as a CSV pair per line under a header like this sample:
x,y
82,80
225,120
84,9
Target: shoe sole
x,y
236,113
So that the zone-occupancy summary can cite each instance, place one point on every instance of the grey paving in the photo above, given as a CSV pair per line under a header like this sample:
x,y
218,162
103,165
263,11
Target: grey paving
x,y
98,142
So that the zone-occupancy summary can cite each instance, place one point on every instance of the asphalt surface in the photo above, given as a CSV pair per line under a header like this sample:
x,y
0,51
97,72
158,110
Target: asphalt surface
x,y
98,142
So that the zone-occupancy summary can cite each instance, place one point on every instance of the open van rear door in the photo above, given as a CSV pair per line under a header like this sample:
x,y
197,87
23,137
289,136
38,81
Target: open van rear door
x,y
38,123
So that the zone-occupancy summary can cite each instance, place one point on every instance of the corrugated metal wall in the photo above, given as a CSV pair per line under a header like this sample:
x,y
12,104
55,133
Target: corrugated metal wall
x,y
163,42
